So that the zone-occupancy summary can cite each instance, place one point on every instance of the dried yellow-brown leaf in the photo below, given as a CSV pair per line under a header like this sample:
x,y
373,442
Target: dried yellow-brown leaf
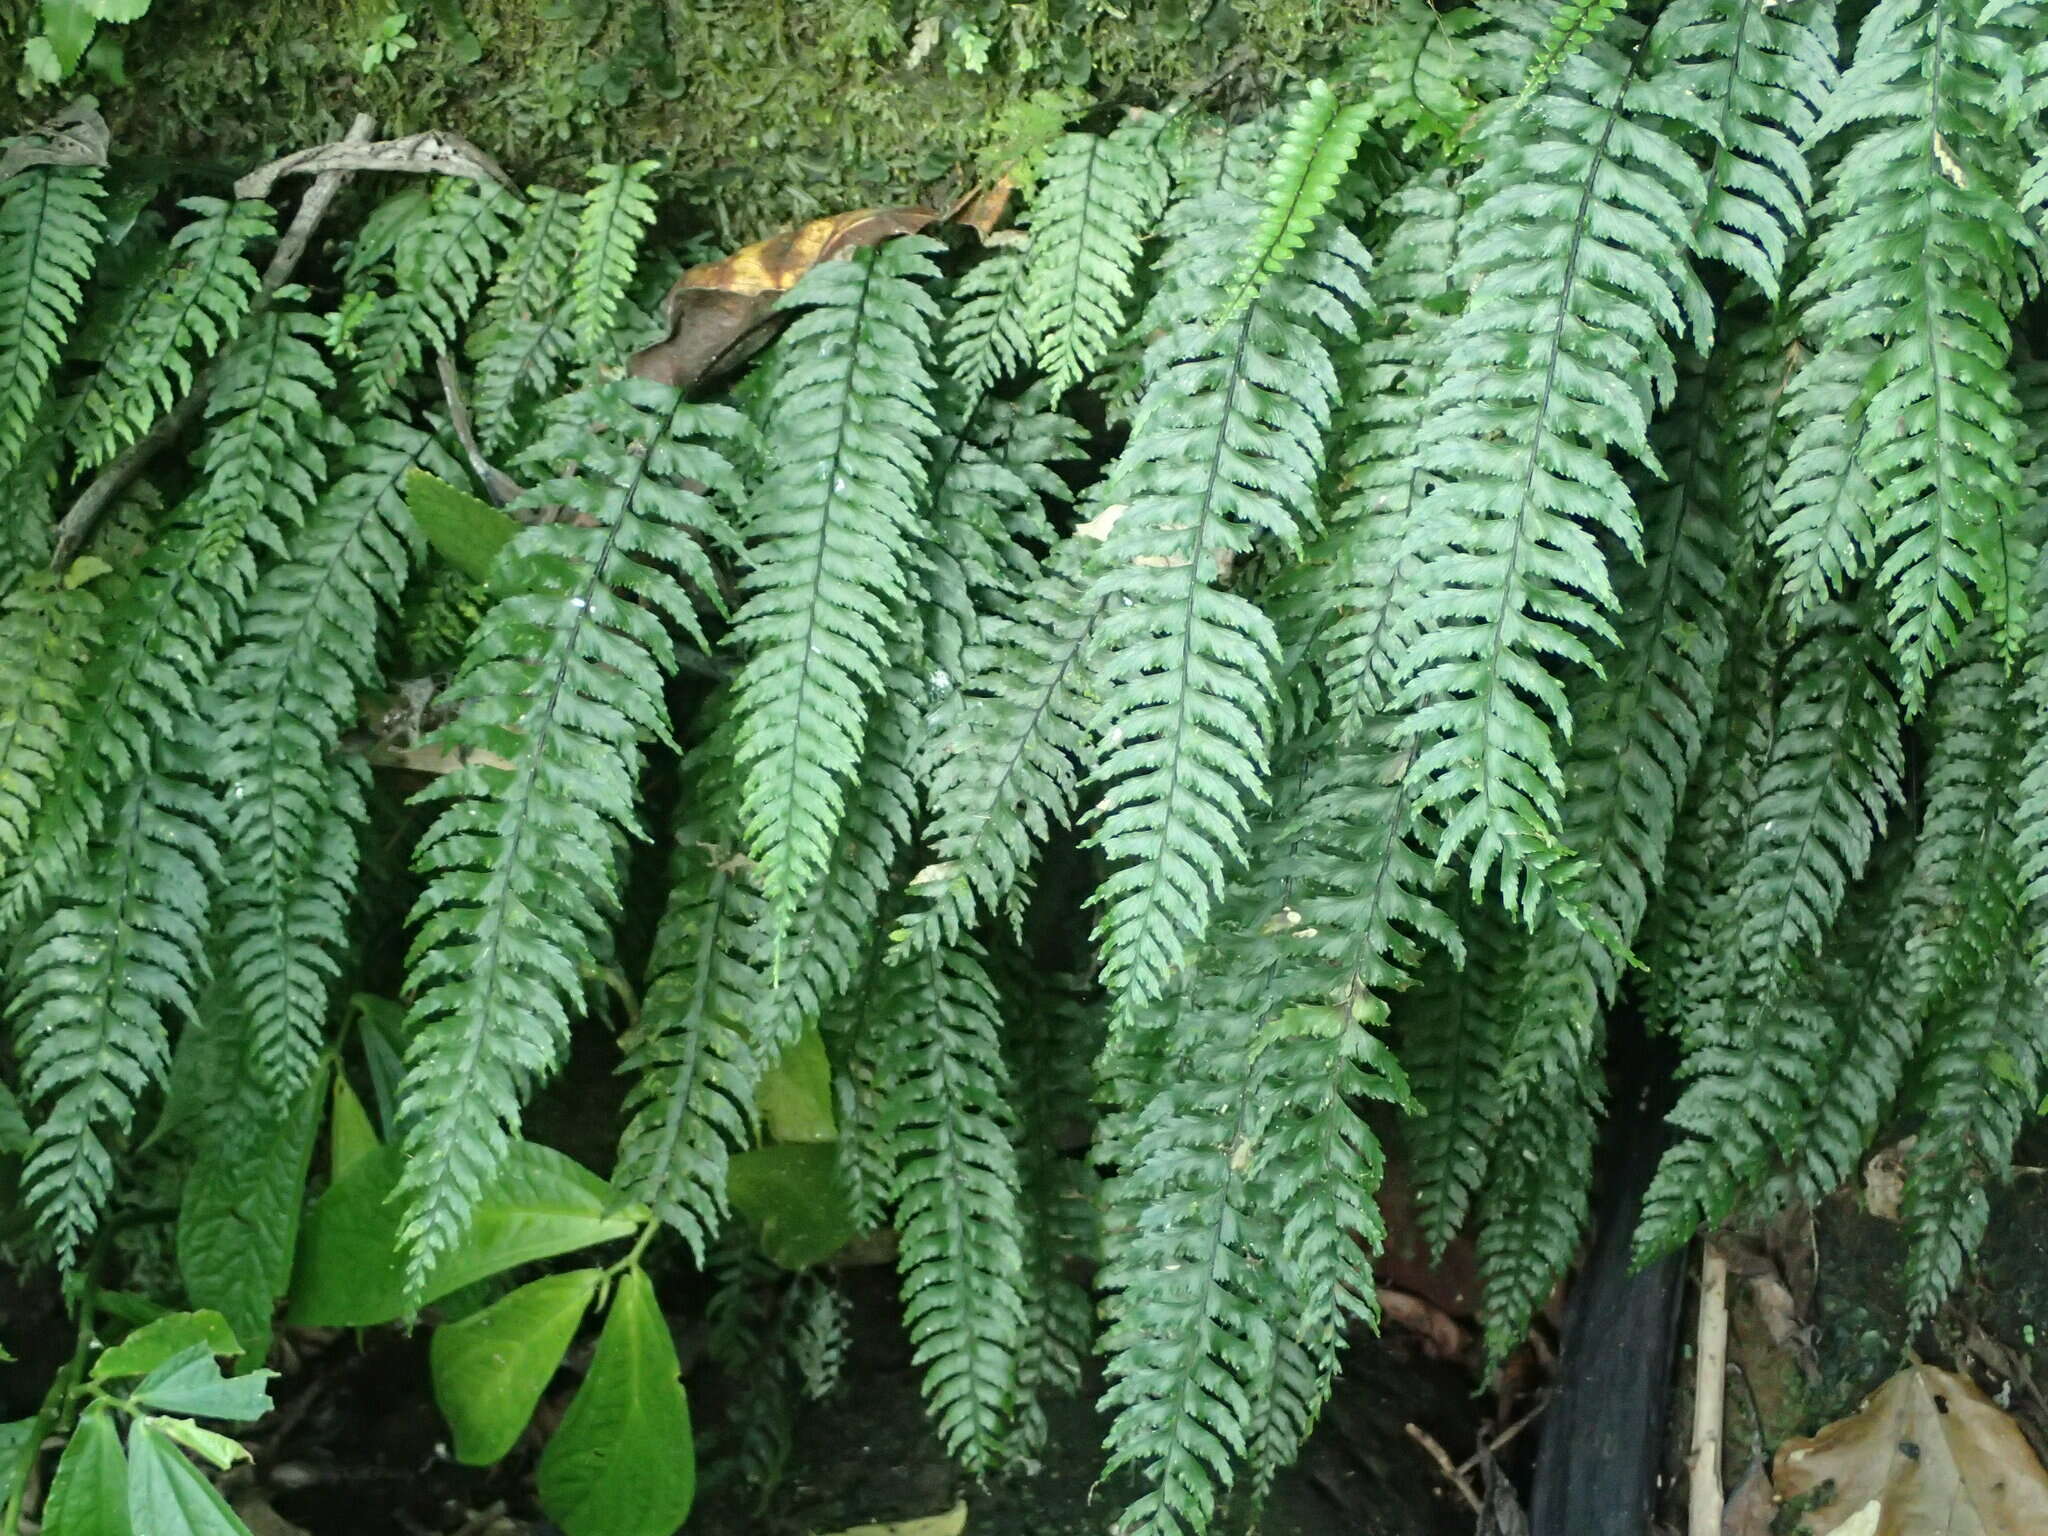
x,y
1927,1452
951,1523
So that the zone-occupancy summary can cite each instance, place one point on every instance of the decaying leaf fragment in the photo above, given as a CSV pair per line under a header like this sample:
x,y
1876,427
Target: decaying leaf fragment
x,y
1927,1452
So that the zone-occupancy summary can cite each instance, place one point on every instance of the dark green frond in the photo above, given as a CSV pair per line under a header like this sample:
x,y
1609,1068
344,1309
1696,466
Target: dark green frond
x,y
49,231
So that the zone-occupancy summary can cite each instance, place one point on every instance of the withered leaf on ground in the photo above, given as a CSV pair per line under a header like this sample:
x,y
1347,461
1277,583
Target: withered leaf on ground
x,y
1927,1452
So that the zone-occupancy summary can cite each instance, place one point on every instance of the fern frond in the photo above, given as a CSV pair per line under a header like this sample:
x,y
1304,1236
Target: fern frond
x,y
986,339
1227,445
521,338
1007,770
440,260
289,689
1754,1052
831,533
1821,530
194,305
692,1055
1453,1032
1980,1076
1097,199
1640,727
264,456
1917,269
616,214
1317,149
97,977
47,625
562,681
1419,72
1767,72
1347,600
1573,25
1577,252
946,1118
49,231
1533,1210
1188,1341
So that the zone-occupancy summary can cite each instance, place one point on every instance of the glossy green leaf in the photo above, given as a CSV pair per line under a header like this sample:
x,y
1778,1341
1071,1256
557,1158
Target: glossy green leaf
x,y
468,532
166,1494
68,26
622,1463
149,1346
238,1222
491,1368
795,1097
351,1274
793,1196
191,1383
90,1495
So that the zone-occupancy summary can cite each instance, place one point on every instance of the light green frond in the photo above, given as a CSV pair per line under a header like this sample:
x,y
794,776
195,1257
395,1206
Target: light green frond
x,y
521,339
1316,150
616,214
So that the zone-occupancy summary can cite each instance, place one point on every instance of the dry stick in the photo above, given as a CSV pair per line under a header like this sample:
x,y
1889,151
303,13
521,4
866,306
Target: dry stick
x,y
1706,1503
1471,1463
77,523
1442,1458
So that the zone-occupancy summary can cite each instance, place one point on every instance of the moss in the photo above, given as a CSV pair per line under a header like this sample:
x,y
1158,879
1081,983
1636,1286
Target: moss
x,y
764,112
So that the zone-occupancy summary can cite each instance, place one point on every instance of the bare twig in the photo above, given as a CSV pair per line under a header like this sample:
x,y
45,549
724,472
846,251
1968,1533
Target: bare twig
x,y
433,153
79,519
1449,1468
502,487
1494,1446
1706,1502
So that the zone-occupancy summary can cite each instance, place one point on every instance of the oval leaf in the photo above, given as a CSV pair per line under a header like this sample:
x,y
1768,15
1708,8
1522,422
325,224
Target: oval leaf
x,y
491,1368
191,1383
166,1494
622,1464
351,1273
165,1339
350,1136
465,531
792,1194
90,1495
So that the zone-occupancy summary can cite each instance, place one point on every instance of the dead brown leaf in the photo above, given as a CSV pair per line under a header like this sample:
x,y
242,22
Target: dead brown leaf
x,y
1751,1506
1927,1452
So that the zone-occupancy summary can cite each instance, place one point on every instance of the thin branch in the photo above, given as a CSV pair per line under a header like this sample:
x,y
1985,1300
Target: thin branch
x,y
1706,1503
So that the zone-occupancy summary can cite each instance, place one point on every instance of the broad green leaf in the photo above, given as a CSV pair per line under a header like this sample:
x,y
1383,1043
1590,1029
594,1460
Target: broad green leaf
x,y
129,1307
68,26
166,1494
792,1194
216,1448
380,1023
351,1273
795,1097
622,1463
13,1441
168,1337
119,10
350,1136
191,1383
239,1221
14,1132
491,1368
90,1495
467,531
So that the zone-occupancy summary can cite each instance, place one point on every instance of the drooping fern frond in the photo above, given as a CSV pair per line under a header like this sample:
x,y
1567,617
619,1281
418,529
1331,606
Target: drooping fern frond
x,y
121,950
1753,1049
1008,768
616,214
441,257
830,531
1577,250
562,682
1315,152
945,1117
521,338
47,625
1767,72
193,306
49,231
1098,197
1640,727
1186,679
1345,603
1918,266
986,339
1418,72
692,1053
1980,1076
289,691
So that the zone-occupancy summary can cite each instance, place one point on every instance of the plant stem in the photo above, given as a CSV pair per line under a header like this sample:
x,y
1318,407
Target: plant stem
x,y
54,1417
